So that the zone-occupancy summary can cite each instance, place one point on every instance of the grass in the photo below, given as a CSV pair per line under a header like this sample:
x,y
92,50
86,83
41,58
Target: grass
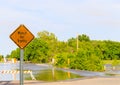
x,y
112,62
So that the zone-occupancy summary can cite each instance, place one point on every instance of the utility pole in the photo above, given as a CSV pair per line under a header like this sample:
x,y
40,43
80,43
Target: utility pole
x,y
77,41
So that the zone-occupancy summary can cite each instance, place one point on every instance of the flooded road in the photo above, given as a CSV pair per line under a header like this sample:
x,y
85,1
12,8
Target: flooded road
x,y
45,72
10,72
8,76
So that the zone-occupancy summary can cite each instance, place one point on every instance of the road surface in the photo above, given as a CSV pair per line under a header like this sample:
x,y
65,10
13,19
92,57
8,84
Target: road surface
x,y
88,81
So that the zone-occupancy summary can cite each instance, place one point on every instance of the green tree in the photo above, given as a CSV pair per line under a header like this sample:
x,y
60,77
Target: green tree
x,y
15,54
51,41
84,54
83,37
36,51
1,57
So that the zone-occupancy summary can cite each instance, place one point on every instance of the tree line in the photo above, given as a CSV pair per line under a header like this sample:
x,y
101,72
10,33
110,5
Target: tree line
x,y
75,53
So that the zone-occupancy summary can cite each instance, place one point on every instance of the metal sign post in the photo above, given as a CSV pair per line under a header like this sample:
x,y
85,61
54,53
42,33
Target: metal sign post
x,y
21,67
22,37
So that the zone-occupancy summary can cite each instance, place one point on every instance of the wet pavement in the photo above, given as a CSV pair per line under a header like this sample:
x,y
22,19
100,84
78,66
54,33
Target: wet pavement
x,y
7,70
8,79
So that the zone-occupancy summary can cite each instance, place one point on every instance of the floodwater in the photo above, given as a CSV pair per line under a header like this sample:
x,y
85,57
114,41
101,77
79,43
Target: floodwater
x,y
45,72
39,72
8,76
53,75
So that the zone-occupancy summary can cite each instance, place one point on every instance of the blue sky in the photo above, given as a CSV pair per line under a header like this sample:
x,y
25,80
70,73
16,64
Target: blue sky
x,y
99,19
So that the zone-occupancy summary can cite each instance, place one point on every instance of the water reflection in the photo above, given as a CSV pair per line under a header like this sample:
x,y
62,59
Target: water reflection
x,y
53,75
43,72
40,72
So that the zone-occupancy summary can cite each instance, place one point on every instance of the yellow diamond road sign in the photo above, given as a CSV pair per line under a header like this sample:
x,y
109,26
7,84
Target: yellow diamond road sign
x,y
22,36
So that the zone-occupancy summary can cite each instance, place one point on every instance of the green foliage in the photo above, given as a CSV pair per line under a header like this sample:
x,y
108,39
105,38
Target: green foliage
x,y
112,62
88,55
15,54
36,51
115,62
61,60
90,62
83,37
51,41
1,57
